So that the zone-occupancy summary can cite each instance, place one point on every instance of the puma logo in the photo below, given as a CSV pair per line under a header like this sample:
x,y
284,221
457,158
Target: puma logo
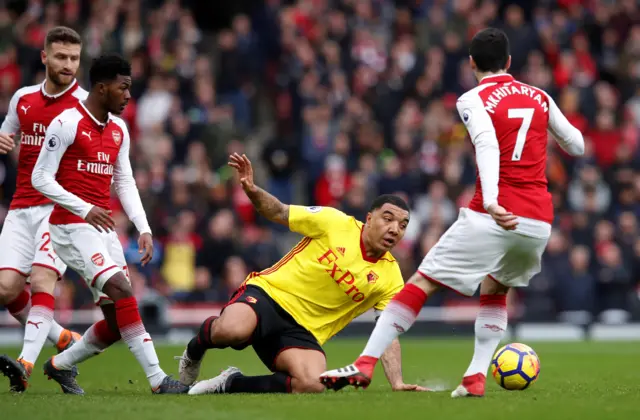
x,y
399,328
493,327
25,109
84,133
35,324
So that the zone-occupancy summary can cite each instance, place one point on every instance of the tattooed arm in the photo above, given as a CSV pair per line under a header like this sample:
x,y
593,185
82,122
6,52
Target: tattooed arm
x,y
266,204
269,206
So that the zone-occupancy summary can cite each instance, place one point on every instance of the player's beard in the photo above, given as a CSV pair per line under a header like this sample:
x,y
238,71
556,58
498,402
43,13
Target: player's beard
x,y
59,80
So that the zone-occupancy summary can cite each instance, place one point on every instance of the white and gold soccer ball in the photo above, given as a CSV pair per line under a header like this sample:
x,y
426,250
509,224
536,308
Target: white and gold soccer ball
x,y
515,367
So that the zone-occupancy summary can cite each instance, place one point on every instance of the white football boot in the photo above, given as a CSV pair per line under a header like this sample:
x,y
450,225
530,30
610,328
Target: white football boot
x,y
188,368
217,385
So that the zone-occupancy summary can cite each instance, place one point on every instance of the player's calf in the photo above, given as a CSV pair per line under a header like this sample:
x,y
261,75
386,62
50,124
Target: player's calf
x,y
232,329
40,324
306,385
94,341
490,327
40,318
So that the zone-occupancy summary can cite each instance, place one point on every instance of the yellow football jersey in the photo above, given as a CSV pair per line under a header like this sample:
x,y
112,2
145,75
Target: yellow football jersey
x,y
327,280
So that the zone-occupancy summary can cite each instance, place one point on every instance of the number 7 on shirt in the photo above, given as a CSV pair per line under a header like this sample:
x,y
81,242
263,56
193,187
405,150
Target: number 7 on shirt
x,y
526,114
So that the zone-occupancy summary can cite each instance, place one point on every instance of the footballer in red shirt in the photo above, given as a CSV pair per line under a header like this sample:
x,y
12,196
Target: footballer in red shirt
x,y
498,241
85,149
26,247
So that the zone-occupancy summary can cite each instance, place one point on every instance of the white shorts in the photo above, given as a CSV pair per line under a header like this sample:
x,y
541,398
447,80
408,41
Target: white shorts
x,y
25,241
95,256
475,247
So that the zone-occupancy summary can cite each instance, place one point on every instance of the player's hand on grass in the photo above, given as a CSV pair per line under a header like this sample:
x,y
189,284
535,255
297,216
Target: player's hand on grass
x,y
100,219
409,387
145,247
6,143
503,218
242,165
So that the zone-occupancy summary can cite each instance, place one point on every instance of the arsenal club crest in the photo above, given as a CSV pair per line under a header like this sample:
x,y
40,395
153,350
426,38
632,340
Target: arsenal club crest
x,y
117,137
97,259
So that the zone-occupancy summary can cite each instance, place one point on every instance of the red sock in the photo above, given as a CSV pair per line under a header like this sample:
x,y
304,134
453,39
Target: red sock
x,y
493,300
44,300
128,318
411,297
397,318
103,334
18,308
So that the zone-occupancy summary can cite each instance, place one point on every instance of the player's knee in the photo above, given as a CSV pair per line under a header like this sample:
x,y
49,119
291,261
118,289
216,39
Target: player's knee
x,y
490,286
306,385
43,280
230,334
428,286
117,287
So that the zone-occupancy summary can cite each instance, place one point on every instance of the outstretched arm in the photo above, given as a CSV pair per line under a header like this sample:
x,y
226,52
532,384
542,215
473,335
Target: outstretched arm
x,y
266,204
392,363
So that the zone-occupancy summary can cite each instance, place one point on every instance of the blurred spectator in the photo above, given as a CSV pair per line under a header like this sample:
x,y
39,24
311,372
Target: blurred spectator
x,y
344,100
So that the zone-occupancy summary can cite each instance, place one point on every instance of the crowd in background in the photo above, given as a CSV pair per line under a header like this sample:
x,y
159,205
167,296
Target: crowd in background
x,y
357,98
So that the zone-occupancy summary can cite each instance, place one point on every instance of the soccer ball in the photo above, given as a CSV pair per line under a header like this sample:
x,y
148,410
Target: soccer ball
x,y
515,367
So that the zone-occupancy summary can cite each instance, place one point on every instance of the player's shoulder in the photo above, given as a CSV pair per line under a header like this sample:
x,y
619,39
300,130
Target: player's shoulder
x,y
390,261
80,93
389,268
67,119
472,98
120,123
474,93
25,91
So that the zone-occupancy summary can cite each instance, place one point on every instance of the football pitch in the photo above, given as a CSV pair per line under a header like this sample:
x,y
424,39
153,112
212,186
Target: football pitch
x,y
577,381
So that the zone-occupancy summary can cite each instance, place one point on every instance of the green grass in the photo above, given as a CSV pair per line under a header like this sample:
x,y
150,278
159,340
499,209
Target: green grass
x,y
578,381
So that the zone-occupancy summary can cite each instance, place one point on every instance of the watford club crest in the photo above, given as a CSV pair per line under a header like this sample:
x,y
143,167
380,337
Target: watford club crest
x,y
372,277
117,137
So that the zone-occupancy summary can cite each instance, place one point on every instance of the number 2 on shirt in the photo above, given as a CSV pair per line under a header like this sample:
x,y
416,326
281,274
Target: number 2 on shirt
x,y
526,114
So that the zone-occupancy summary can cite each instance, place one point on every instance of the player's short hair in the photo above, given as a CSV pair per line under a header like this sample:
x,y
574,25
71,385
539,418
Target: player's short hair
x,y
107,68
490,50
394,200
63,35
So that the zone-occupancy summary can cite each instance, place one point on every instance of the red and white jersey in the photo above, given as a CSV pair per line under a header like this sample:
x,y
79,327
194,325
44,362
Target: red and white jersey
x,y
80,158
31,110
508,122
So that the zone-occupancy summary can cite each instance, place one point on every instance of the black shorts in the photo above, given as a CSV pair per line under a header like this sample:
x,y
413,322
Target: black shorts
x,y
276,330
